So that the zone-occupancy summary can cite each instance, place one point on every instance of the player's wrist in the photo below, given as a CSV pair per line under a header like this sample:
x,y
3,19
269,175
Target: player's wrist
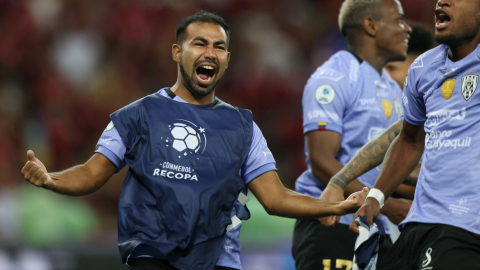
x,y
377,195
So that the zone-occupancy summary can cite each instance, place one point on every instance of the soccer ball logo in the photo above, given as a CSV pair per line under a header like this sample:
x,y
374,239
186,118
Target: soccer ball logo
x,y
187,138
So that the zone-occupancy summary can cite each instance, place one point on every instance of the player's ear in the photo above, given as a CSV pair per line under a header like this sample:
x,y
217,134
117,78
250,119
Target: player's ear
x,y
176,52
228,59
370,26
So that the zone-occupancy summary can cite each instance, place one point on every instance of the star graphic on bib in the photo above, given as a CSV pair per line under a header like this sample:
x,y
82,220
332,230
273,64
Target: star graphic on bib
x,y
202,130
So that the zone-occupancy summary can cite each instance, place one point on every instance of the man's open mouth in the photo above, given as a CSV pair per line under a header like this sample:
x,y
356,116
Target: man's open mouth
x,y
205,73
442,19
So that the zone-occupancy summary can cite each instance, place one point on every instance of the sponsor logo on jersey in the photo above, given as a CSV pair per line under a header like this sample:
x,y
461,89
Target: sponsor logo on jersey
x,y
438,117
328,73
109,126
387,107
186,138
173,171
469,85
447,88
428,258
325,94
437,144
323,114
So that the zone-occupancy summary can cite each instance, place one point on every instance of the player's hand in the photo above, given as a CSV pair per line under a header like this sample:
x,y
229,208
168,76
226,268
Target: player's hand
x,y
371,208
35,172
354,201
332,194
396,209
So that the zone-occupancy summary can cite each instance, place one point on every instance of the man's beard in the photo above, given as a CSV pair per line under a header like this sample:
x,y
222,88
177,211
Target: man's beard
x,y
195,90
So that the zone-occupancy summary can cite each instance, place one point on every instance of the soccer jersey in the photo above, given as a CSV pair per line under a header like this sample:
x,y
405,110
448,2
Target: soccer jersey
x,y
351,98
259,161
441,94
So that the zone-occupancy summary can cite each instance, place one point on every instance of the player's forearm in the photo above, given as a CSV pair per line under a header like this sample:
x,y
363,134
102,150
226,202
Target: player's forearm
x,y
75,181
401,158
368,157
295,205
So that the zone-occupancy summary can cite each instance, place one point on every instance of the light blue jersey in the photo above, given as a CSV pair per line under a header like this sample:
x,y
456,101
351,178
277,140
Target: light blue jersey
x,y
349,97
442,95
258,162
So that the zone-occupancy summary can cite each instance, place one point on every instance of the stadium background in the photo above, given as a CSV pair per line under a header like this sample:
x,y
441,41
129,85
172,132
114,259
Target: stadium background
x,y
66,65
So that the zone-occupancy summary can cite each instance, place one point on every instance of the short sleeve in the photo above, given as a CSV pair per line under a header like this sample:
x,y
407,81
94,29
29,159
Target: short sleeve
x,y
259,160
414,111
324,104
112,147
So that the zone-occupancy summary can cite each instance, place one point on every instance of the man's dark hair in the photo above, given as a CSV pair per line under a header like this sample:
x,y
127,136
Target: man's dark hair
x,y
201,16
421,40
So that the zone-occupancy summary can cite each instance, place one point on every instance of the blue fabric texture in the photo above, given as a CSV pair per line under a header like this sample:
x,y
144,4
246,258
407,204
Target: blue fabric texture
x,y
367,244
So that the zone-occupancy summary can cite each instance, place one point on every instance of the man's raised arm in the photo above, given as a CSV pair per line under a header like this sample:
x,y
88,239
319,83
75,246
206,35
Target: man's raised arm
x,y
401,158
75,181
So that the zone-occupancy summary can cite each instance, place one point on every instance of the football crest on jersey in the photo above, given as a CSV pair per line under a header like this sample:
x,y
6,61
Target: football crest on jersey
x,y
469,85
387,107
447,88
325,94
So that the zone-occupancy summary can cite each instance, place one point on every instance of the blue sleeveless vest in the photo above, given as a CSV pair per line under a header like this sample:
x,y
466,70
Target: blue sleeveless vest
x,y
183,179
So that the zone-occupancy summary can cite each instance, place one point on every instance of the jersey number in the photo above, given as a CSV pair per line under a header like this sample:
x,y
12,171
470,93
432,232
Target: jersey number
x,y
339,264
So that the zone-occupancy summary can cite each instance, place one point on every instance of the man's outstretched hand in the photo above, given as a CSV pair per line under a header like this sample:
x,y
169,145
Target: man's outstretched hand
x,y
35,172
354,201
371,209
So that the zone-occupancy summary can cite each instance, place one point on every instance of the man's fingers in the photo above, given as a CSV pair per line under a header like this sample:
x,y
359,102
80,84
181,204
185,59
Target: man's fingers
x,y
354,226
27,167
31,155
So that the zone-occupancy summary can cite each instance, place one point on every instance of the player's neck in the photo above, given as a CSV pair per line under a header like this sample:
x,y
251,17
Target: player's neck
x,y
182,92
457,53
375,60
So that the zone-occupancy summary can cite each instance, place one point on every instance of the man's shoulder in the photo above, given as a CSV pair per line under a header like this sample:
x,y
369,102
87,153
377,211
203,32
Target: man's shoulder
x,y
433,57
247,114
341,67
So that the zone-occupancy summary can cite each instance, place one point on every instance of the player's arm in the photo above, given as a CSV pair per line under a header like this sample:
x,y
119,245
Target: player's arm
x,y
280,201
323,146
75,181
401,158
367,158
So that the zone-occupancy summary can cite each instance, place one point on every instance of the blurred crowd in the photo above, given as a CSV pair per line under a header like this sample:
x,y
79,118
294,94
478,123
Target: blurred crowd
x,y
65,65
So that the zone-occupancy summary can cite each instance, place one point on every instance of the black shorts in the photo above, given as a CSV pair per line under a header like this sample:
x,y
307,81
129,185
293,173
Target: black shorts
x,y
318,247
433,247
145,263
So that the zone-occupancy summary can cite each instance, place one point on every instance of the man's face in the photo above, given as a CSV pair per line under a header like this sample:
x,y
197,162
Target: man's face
x,y
204,57
456,21
394,32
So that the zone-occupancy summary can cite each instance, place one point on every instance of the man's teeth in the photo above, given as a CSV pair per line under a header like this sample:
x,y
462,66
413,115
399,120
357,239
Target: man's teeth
x,y
405,41
207,67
